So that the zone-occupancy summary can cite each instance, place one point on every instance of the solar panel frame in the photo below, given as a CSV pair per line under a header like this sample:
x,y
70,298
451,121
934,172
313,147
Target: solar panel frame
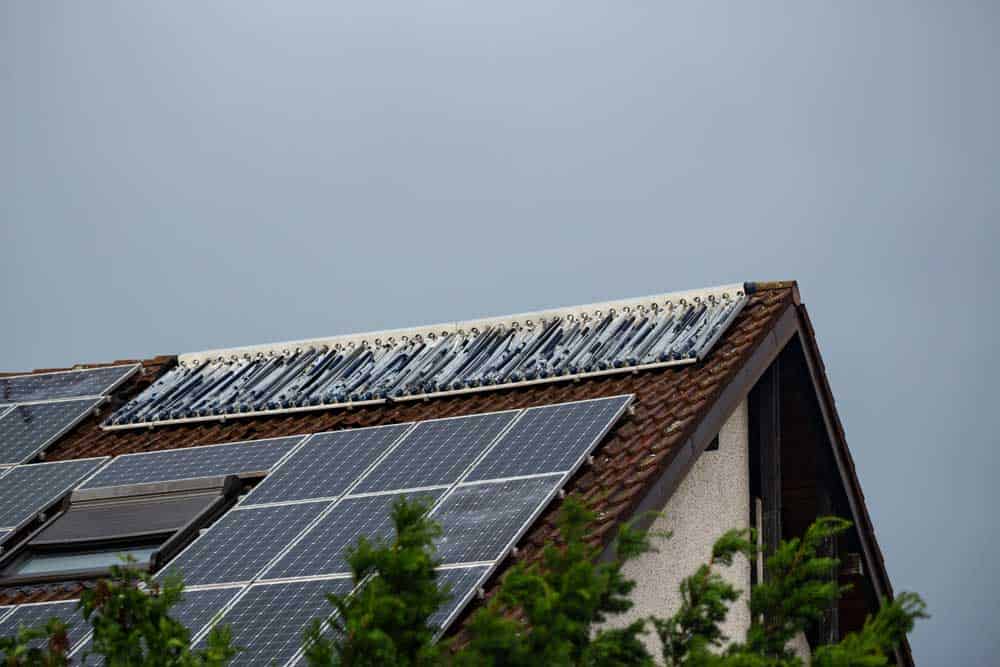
x,y
287,609
429,449
243,525
116,375
110,477
84,406
386,438
502,462
96,463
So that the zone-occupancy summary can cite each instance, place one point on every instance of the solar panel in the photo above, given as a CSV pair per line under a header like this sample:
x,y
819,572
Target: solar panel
x,y
195,609
269,621
63,384
27,490
553,438
323,549
193,462
461,583
326,464
436,452
242,542
35,616
28,428
480,522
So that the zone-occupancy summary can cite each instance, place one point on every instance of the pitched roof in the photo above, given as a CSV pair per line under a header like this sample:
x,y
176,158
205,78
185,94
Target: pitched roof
x,y
673,404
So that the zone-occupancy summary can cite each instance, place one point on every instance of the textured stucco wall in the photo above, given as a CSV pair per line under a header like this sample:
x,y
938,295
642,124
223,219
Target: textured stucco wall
x,y
712,498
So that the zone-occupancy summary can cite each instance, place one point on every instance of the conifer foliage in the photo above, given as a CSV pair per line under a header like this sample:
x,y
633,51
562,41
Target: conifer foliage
x,y
551,612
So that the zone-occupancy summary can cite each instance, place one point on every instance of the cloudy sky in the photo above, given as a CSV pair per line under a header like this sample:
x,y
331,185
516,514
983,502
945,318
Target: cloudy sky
x,y
176,177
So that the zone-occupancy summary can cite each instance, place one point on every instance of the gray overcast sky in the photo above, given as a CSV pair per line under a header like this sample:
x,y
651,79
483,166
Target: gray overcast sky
x,y
176,176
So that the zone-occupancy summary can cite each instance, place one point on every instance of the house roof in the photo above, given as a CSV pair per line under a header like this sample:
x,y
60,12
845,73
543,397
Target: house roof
x,y
674,406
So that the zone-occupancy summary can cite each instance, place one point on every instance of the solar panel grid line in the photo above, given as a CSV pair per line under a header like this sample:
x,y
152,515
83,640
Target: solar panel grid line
x,y
512,455
428,445
513,478
64,399
9,431
284,503
400,431
393,492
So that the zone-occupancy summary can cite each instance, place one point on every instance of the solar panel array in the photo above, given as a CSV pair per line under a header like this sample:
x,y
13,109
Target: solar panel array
x,y
277,553
35,410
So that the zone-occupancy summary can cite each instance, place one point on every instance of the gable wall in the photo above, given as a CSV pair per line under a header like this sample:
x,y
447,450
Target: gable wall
x,y
711,499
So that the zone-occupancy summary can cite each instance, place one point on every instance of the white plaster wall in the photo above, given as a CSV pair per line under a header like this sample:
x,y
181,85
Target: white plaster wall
x,y
711,499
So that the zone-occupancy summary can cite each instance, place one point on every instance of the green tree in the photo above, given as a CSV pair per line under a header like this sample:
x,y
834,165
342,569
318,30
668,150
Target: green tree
x,y
386,622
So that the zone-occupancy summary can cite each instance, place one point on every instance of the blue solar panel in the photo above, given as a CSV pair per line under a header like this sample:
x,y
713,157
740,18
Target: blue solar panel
x,y
326,464
27,490
269,621
35,616
462,584
192,462
553,438
481,521
28,428
436,452
63,384
242,542
323,549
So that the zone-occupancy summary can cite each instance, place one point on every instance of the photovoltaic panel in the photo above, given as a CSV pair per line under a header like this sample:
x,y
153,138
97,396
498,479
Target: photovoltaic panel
x,y
552,438
37,615
436,452
269,621
193,462
480,521
195,609
27,490
63,384
326,465
323,549
242,542
28,428
462,583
